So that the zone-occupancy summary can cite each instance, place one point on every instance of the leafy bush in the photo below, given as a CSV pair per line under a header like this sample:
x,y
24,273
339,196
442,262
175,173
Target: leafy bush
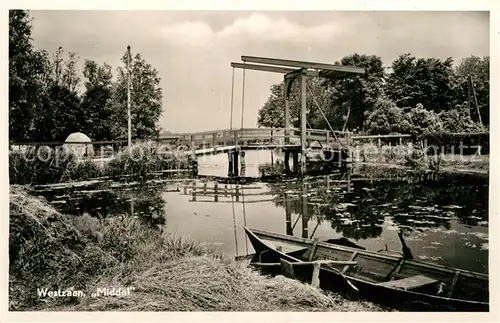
x,y
387,118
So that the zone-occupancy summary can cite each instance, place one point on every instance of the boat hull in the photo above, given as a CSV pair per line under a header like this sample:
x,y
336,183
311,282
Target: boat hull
x,y
332,279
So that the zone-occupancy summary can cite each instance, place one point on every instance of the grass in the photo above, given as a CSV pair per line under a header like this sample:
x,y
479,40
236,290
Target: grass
x,y
51,250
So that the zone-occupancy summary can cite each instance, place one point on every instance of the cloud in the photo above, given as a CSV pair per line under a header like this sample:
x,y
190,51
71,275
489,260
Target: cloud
x,y
191,33
252,27
262,27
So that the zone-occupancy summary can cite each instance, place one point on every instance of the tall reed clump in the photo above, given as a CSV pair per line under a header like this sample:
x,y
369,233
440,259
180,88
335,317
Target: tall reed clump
x,y
141,162
39,165
46,165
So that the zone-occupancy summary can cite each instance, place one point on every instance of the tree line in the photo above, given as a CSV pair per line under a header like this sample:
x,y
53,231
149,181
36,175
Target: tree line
x,y
419,95
49,97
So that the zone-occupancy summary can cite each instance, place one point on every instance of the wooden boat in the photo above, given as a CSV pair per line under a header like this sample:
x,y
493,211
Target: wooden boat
x,y
390,280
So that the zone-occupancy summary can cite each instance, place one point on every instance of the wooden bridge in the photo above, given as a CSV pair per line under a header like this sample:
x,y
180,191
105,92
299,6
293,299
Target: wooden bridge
x,y
218,141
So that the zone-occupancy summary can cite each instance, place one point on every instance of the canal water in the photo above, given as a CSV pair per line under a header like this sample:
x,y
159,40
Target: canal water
x,y
442,223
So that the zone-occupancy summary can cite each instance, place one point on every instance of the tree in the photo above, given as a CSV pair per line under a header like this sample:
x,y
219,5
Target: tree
x,y
70,75
428,81
387,118
272,114
97,101
459,120
479,70
27,70
354,97
146,100
62,114
423,121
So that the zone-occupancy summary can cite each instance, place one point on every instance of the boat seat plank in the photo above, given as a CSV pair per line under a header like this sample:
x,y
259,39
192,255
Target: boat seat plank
x,y
284,246
409,283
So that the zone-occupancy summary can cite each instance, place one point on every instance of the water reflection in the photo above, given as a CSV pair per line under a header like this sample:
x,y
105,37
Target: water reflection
x,y
447,224
146,203
361,213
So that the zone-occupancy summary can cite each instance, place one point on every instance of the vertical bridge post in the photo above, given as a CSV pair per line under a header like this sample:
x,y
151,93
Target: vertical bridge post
x,y
303,122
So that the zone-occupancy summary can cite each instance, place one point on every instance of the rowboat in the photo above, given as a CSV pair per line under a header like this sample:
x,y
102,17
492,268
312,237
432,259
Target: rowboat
x,y
391,280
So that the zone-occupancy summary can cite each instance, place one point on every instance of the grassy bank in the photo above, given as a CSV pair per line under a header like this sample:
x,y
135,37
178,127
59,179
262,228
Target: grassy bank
x,y
417,159
54,251
46,165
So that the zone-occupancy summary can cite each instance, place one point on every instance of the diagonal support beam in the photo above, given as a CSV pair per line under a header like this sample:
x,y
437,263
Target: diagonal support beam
x,y
271,69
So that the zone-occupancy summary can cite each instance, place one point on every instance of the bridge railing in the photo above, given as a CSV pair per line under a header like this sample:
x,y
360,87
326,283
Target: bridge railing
x,y
245,136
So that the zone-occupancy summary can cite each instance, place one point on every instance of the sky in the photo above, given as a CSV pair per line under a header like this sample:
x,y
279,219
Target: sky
x,y
192,50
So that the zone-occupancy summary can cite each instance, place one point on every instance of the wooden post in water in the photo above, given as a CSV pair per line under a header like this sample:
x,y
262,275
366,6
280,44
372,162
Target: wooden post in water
x,y
216,192
237,193
295,157
287,115
205,189
236,171
225,190
287,161
194,191
243,165
230,169
349,184
288,215
305,220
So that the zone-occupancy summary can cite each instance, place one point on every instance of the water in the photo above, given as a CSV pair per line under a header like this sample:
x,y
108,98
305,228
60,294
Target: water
x,y
445,224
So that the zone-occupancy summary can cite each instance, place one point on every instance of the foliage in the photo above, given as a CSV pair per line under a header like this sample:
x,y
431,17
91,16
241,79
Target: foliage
x,y
81,170
387,118
146,97
420,96
141,162
424,121
272,113
479,70
97,101
459,120
27,69
40,165
428,81
62,114
46,102
46,165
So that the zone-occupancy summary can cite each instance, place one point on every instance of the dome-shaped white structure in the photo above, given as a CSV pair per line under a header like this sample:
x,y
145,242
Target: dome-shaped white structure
x,y
80,149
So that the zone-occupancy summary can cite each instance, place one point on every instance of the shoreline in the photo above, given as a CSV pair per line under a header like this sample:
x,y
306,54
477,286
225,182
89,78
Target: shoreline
x,y
162,272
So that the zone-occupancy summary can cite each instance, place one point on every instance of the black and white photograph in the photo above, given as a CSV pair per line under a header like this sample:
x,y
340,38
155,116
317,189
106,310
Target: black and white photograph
x,y
249,161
